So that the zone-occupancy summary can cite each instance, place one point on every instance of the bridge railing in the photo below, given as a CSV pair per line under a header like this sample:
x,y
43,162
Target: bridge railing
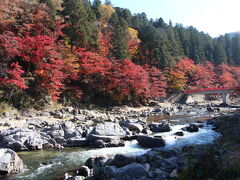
x,y
211,89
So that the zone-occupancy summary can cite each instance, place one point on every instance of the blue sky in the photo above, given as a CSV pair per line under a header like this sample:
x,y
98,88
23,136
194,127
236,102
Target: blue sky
x,y
214,17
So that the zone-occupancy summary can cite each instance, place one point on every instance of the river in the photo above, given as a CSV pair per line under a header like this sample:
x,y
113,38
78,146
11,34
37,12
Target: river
x,y
49,165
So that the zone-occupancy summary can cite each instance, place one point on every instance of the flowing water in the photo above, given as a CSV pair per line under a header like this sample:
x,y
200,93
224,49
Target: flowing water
x,y
48,165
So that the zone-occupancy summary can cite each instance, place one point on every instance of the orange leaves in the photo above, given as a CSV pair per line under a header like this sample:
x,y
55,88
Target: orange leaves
x,y
176,80
187,75
104,42
227,75
205,76
71,64
133,42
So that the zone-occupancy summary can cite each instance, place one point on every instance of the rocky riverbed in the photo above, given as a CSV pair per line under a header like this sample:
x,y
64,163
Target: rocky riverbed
x,y
66,134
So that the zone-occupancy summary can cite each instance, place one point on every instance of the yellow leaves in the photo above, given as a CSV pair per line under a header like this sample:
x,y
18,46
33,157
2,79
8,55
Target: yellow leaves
x,y
71,61
176,79
132,31
133,42
106,12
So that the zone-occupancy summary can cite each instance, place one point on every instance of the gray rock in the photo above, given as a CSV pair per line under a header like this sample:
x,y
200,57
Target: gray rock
x,y
109,141
192,128
121,160
135,127
108,129
132,171
174,174
159,127
34,143
149,141
141,159
60,140
76,178
77,142
56,133
7,124
98,144
146,131
71,133
16,146
98,164
159,174
22,139
68,125
165,153
52,141
179,133
84,171
10,163
39,123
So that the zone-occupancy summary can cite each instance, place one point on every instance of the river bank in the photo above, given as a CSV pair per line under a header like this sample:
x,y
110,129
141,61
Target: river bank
x,y
66,134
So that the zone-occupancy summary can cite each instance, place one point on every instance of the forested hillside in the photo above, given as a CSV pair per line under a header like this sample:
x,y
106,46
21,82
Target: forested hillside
x,y
77,50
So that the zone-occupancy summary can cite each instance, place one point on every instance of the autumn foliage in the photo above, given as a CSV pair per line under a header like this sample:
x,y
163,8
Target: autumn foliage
x,y
37,60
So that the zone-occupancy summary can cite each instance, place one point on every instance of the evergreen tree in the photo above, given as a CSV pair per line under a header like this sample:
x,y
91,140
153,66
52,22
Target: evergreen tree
x,y
154,47
91,28
235,49
108,2
125,14
95,6
119,37
219,53
79,19
139,21
174,42
160,23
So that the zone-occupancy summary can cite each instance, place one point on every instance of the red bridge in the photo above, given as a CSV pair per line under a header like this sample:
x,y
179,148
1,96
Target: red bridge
x,y
222,90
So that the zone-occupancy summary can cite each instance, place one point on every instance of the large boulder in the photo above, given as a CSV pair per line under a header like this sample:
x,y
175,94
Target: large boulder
x,y
132,171
121,160
189,99
159,127
97,141
150,141
84,171
135,127
76,142
108,129
34,143
10,163
16,146
22,139
37,122
192,128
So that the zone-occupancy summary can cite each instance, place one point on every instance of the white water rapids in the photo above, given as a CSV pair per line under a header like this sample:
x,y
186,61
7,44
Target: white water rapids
x,y
50,164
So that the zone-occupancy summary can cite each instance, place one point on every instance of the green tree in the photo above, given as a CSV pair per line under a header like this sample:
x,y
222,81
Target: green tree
x,y
174,42
95,6
219,53
79,19
125,14
155,47
119,37
235,49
